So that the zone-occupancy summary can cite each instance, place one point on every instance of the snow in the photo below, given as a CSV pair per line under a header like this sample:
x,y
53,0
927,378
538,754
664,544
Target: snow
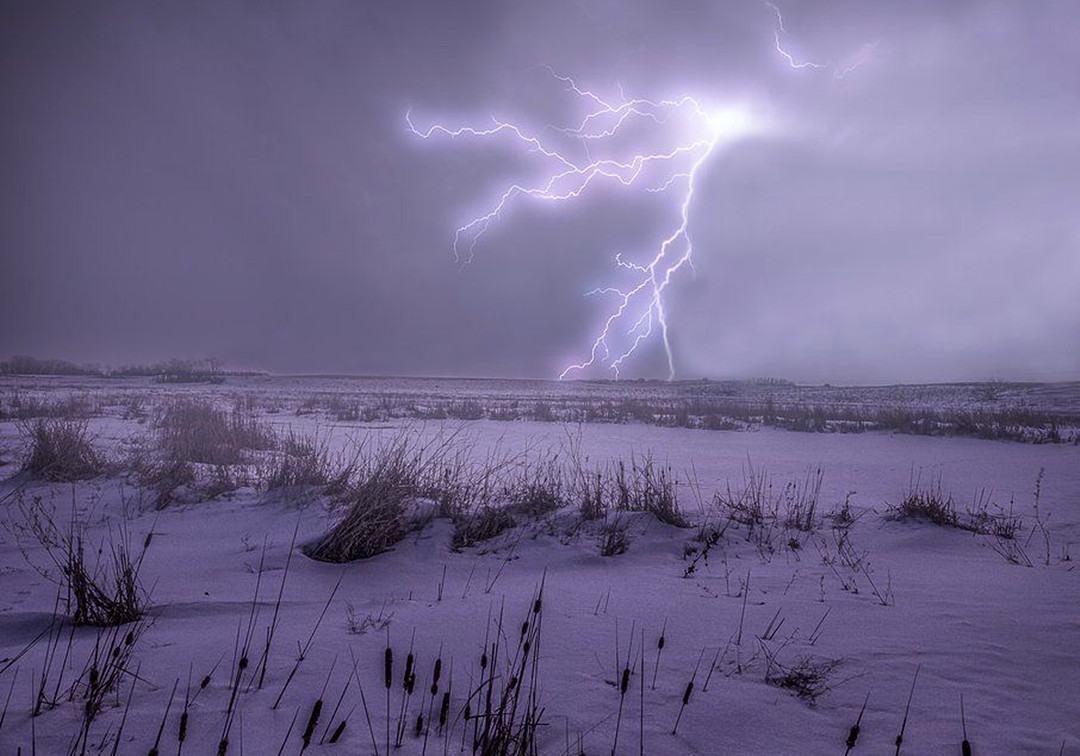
x,y
1004,636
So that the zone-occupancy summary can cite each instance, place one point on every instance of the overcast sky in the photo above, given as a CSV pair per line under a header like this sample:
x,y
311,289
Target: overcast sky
x,y
237,179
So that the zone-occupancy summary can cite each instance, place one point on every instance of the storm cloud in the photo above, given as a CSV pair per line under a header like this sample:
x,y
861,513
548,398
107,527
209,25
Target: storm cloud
x,y
236,179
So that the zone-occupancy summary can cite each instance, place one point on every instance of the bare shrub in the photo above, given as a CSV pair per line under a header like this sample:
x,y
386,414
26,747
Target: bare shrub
x,y
61,450
193,430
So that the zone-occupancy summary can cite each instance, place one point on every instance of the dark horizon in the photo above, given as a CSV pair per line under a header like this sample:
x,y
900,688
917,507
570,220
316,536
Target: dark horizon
x,y
893,203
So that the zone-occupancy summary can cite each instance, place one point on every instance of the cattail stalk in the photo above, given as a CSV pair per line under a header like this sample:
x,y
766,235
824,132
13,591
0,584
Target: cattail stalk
x,y
687,693
907,710
388,681
288,732
853,733
363,700
661,641
165,716
965,746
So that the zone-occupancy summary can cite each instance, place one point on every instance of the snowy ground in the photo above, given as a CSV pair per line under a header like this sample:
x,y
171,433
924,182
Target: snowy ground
x,y
1006,637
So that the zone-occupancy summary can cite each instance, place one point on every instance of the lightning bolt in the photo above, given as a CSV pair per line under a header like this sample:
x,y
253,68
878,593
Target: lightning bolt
x,y
840,70
780,30
686,134
683,134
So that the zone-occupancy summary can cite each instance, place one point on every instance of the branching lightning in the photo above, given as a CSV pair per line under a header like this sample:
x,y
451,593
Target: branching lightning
x,y
671,142
686,133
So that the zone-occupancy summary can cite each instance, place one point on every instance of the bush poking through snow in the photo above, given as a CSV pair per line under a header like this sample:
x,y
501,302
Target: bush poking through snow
x,y
60,450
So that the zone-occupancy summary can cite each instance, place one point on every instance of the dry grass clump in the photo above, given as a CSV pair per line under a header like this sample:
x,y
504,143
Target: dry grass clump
x,y
374,520
647,487
19,406
304,461
194,430
61,450
538,489
808,677
387,477
641,486
614,536
929,504
165,478
103,592
483,524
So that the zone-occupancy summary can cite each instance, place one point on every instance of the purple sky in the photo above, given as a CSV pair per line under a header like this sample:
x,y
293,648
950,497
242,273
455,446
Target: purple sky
x,y
236,178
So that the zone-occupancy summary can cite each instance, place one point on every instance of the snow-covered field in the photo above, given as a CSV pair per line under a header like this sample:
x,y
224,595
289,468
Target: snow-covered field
x,y
845,612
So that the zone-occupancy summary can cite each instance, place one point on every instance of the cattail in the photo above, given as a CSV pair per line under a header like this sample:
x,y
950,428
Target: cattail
x,y
408,670
419,723
313,720
483,660
659,650
965,746
388,679
438,669
524,628
223,747
337,732
853,734
205,682
444,710
624,685
182,734
685,703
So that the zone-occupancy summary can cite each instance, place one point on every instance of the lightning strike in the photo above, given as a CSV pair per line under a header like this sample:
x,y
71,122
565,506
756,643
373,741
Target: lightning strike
x,y
684,134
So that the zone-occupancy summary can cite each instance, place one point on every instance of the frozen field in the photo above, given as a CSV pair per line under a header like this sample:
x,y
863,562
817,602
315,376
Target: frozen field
x,y
785,608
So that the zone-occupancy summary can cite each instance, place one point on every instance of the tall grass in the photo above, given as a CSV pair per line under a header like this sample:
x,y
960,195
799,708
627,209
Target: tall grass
x,y
61,450
195,430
